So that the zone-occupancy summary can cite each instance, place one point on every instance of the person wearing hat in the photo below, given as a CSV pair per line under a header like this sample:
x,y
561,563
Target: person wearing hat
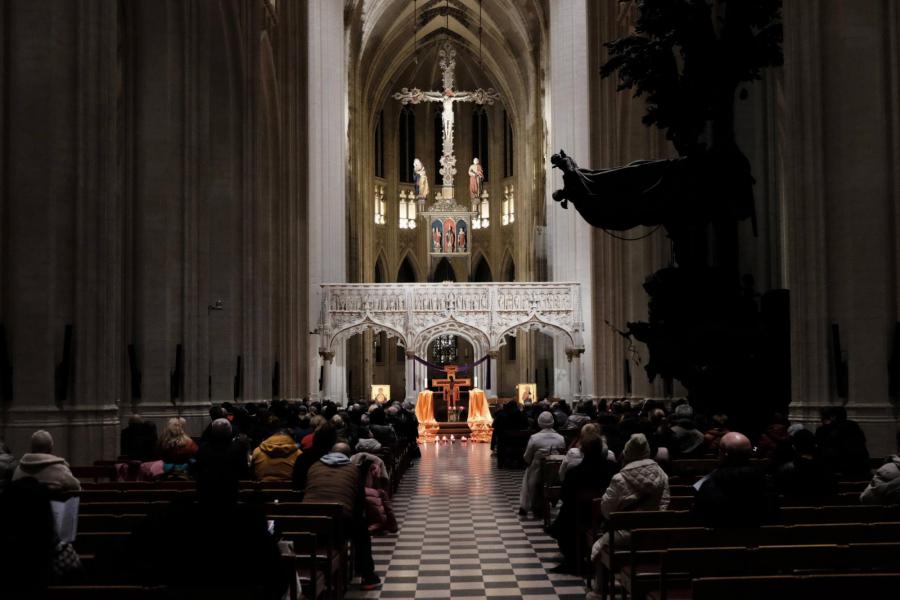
x,y
540,445
640,485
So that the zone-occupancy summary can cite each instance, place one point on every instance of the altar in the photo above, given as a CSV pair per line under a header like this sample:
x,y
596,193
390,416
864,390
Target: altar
x,y
479,417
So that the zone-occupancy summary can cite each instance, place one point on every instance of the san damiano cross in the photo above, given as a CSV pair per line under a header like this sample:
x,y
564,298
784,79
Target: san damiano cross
x,y
447,97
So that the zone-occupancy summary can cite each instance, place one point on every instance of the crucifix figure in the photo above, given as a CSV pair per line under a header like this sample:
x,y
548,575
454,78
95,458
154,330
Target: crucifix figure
x,y
450,386
447,97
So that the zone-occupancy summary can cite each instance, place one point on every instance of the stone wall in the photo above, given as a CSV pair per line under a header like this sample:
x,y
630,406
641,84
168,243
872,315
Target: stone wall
x,y
153,164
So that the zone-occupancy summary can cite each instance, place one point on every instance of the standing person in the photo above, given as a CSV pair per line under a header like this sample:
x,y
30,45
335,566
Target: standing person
x,y
540,445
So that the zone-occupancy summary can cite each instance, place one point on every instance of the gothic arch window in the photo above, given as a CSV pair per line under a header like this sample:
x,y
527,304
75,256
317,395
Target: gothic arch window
x,y
482,272
507,146
480,138
379,145
406,273
444,271
407,140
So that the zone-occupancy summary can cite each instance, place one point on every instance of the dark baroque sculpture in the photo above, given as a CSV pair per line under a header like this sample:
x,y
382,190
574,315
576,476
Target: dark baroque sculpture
x,y
707,326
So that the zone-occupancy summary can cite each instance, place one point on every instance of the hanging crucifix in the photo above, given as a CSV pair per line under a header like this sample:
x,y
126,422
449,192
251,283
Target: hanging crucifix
x,y
447,97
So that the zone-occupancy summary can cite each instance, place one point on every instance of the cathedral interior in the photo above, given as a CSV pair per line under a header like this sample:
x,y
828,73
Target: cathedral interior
x,y
247,201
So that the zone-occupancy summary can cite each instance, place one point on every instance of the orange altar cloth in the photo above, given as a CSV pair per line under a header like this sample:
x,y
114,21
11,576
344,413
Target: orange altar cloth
x,y
425,414
480,418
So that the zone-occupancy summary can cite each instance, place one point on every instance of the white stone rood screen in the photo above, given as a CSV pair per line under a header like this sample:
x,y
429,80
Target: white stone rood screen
x,y
482,313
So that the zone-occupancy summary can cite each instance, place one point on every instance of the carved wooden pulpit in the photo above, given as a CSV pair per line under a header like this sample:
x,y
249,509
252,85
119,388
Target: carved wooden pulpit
x,y
450,389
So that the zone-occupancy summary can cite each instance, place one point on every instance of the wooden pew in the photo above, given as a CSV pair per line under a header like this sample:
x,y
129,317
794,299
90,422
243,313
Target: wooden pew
x,y
788,587
647,545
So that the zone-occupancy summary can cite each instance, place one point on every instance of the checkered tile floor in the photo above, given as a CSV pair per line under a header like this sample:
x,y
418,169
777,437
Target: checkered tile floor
x,y
460,536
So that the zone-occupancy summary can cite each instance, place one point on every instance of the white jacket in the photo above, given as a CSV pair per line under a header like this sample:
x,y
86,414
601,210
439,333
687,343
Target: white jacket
x,y
885,485
640,485
540,445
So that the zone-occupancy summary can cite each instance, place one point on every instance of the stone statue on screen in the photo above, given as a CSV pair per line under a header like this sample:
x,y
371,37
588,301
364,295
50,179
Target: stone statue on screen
x,y
421,179
476,179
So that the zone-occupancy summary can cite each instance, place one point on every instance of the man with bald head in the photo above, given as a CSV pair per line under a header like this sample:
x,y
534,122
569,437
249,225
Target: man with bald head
x,y
738,493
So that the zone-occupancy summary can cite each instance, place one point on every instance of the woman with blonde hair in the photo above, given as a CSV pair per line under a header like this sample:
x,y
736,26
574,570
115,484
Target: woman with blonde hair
x,y
176,448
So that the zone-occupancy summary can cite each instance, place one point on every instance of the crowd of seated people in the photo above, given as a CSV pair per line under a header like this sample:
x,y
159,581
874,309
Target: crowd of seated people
x,y
323,452
621,454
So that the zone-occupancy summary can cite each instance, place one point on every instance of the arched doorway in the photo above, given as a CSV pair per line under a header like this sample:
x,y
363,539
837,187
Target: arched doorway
x,y
449,349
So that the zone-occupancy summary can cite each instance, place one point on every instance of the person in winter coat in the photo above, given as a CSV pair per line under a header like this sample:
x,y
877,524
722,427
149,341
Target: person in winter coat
x,y
805,475
334,478
640,485
540,445
176,448
379,510
574,455
885,485
221,455
686,438
43,465
274,459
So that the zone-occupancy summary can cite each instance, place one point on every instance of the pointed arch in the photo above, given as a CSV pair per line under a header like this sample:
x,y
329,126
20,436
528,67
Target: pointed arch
x,y
509,267
380,272
482,272
408,271
444,271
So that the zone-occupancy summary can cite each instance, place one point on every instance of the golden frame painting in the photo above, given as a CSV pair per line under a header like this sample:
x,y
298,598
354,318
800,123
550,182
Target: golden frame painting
x,y
380,393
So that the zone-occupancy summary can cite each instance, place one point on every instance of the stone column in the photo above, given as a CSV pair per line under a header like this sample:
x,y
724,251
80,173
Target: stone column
x,y
841,230
491,391
411,391
569,236
326,222
573,356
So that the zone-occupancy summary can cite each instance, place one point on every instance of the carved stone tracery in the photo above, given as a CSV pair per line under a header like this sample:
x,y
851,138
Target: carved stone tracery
x,y
485,313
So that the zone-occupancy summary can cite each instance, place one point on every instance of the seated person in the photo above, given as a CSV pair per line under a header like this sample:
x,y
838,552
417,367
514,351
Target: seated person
x,y
208,544
43,465
221,454
805,474
274,459
737,494
31,554
138,440
334,478
885,485
640,485
584,482
176,449
540,445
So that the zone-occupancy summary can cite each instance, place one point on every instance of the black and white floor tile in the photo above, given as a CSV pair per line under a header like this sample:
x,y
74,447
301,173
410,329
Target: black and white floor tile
x,y
460,535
